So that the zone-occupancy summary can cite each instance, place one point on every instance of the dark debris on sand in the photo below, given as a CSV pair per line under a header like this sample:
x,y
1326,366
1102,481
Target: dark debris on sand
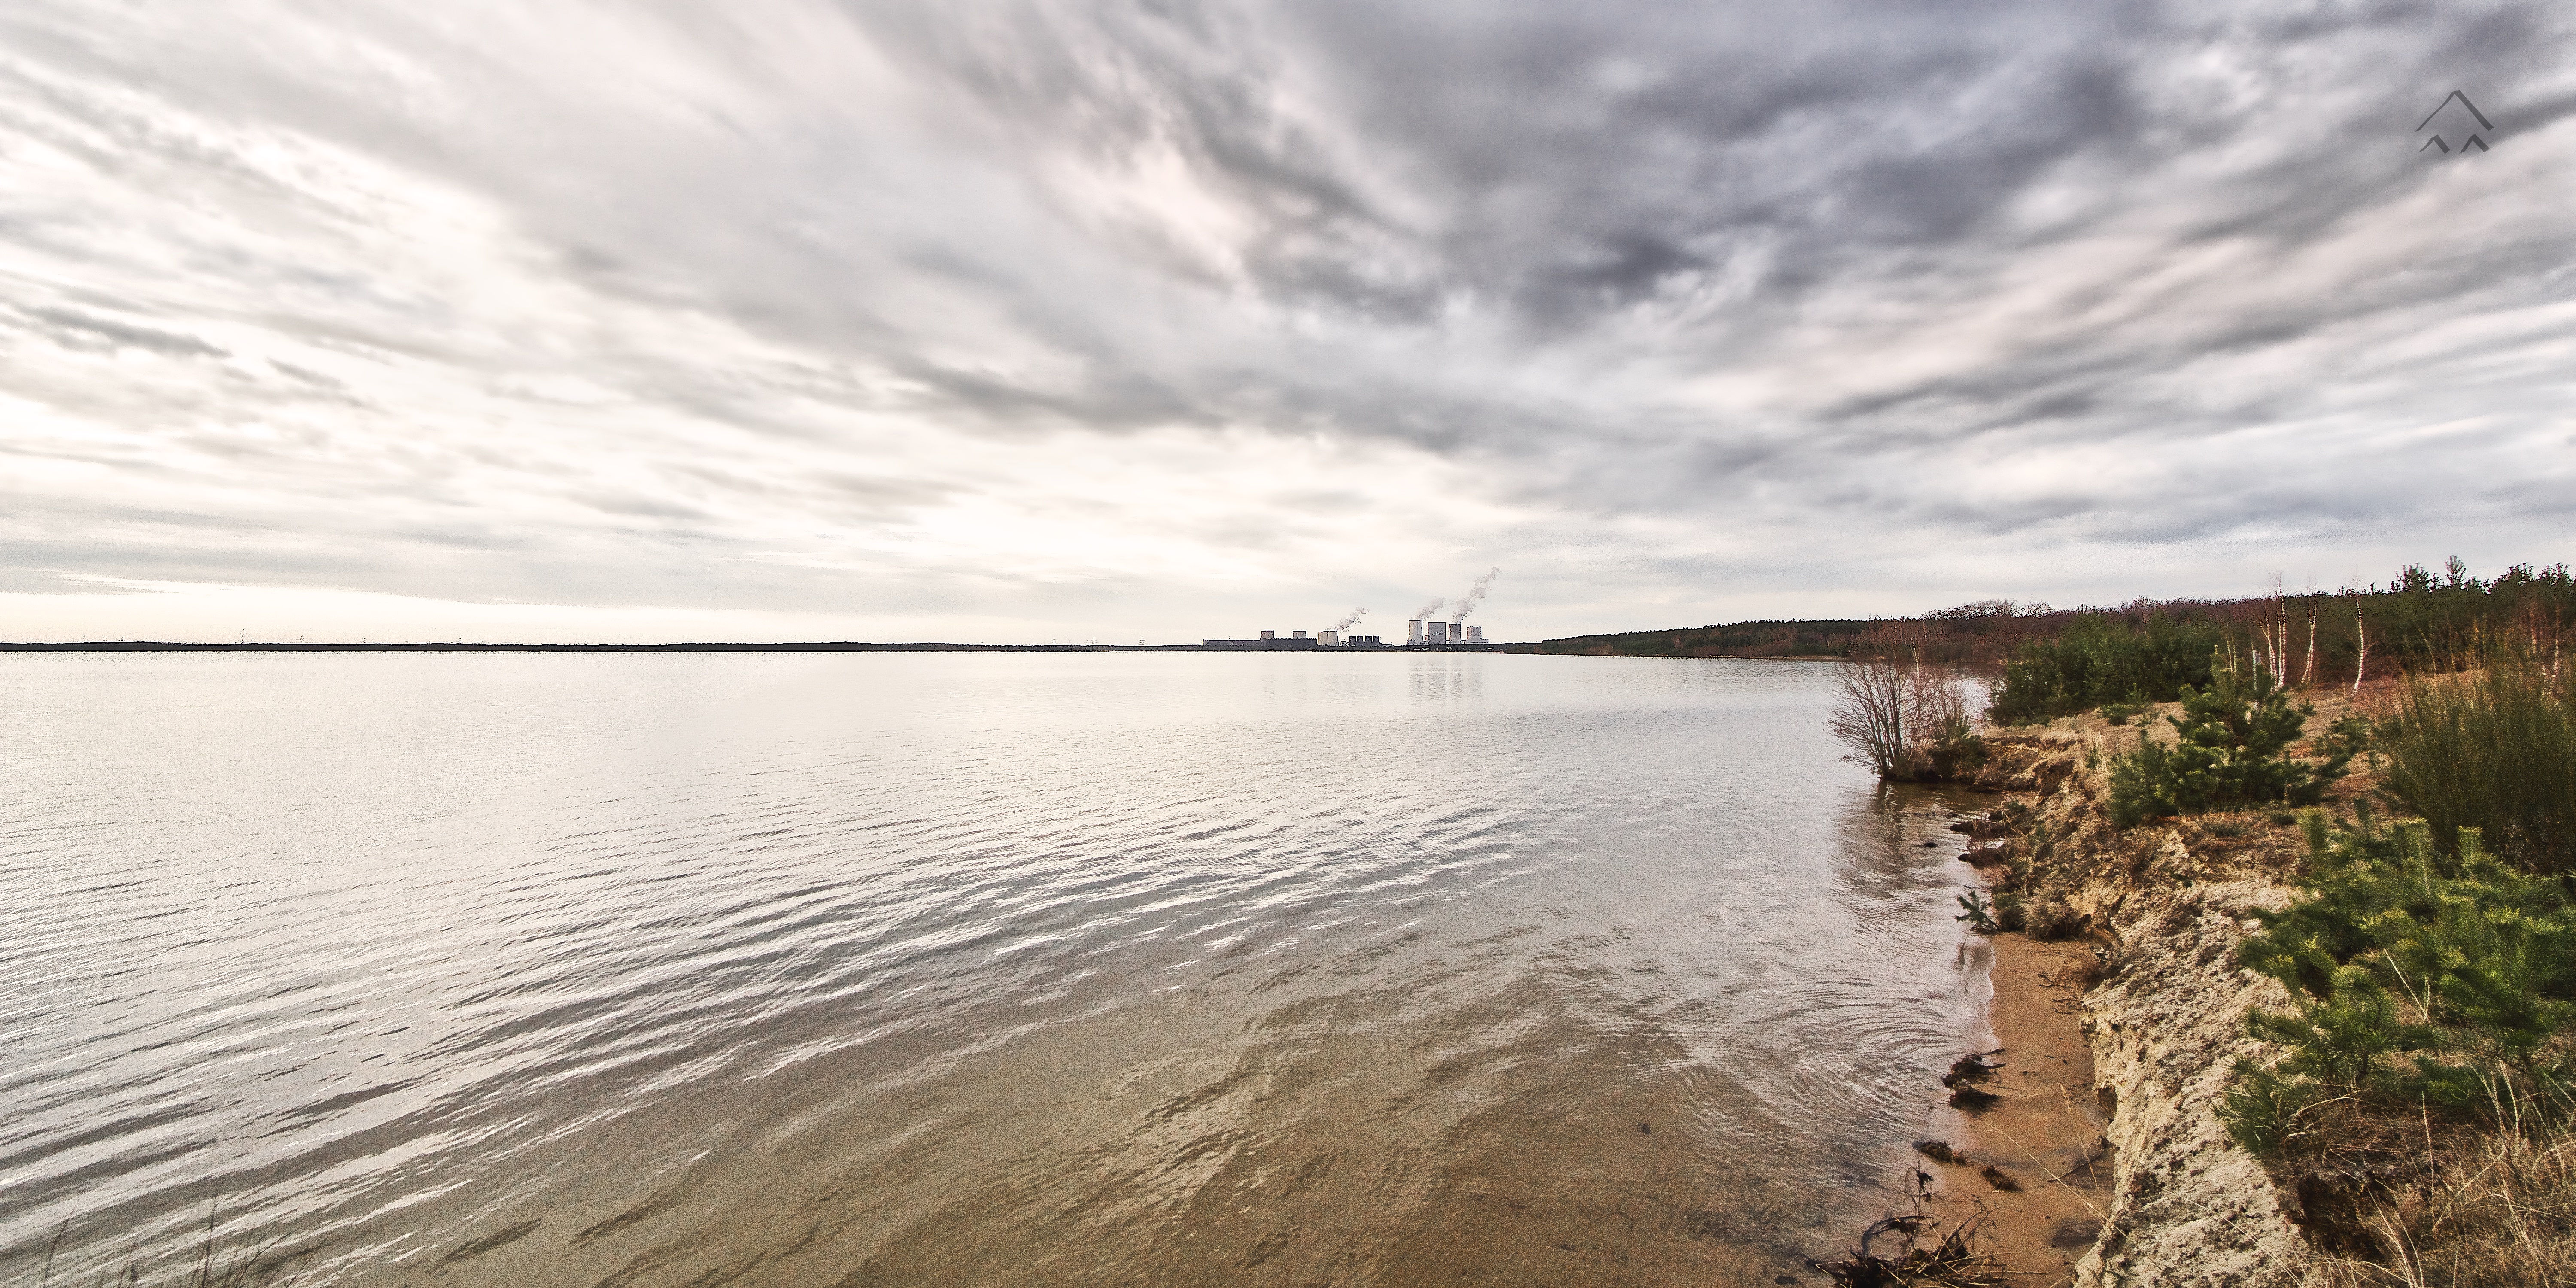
x,y
1948,1261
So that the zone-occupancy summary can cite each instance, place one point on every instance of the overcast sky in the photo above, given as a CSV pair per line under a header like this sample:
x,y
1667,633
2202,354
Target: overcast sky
x,y
788,319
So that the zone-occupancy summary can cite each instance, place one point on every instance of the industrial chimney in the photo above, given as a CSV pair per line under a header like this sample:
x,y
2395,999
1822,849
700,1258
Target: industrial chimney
x,y
1435,632
1475,634
1413,631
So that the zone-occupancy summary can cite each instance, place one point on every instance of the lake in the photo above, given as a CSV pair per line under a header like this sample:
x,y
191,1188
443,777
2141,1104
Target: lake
x,y
991,969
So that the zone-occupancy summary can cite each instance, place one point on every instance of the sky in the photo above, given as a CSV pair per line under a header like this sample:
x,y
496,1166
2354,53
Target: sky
x,y
1031,322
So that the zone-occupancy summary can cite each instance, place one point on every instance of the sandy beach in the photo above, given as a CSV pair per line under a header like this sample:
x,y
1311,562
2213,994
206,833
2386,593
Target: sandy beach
x,y
2033,1174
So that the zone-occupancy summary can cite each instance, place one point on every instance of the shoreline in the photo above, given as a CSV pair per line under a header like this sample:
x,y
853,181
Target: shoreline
x,y
2150,918
2045,1134
2026,1175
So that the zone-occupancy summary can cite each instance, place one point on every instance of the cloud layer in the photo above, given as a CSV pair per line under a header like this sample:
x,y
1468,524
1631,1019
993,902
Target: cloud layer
x,y
1024,321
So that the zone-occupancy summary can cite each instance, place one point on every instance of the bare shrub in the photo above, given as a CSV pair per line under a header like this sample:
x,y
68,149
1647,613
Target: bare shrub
x,y
1904,720
1870,715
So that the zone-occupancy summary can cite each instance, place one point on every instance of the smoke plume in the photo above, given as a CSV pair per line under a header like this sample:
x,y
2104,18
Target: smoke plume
x,y
1475,595
1424,613
1347,622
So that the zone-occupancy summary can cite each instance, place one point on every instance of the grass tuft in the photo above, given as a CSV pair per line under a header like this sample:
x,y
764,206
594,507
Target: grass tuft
x,y
2496,752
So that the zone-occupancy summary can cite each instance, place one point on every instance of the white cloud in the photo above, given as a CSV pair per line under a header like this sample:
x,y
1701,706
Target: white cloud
x,y
885,321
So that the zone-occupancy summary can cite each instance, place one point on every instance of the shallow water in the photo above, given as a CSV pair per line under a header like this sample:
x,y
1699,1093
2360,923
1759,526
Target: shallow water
x,y
958,969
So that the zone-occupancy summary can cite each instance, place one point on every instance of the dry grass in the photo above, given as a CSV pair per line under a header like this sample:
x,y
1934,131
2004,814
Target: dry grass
x,y
2490,1209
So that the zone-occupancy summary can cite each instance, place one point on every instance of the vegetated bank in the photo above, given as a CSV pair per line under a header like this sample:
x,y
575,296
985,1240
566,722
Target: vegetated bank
x,y
2328,943
2079,658
2152,914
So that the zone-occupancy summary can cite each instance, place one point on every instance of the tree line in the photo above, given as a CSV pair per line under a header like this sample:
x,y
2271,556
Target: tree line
x,y
2050,661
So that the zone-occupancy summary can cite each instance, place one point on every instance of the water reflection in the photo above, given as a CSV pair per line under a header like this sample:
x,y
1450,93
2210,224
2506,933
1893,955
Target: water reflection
x,y
1449,680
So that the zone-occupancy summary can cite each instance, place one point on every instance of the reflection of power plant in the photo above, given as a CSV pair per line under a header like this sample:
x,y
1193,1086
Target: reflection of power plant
x,y
1295,640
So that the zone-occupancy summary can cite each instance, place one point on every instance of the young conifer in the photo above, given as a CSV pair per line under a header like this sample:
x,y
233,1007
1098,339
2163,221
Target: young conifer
x,y
2231,749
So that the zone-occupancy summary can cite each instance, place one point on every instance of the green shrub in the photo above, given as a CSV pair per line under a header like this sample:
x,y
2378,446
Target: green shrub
x,y
2012,910
2496,753
1955,749
2120,713
2100,659
2233,751
1980,915
2339,1039
2459,963
2262,1110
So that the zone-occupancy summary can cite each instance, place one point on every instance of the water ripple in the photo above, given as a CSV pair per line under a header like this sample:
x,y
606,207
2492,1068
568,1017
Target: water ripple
x,y
918,966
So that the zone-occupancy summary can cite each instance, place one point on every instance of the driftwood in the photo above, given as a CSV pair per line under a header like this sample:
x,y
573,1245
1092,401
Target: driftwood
x,y
1950,1261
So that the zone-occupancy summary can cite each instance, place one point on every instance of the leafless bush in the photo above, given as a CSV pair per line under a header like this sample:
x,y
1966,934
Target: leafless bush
x,y
1904,720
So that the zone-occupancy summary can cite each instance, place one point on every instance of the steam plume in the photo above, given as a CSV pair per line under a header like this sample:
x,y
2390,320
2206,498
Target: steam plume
x,y
1475,594
1425,612
1347,622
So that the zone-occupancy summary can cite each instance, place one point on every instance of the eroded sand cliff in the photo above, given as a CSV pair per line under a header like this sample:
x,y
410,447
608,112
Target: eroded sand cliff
x,y
2162,909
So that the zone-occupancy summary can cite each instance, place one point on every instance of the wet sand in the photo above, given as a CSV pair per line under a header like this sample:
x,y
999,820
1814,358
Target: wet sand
x,y
2043,1135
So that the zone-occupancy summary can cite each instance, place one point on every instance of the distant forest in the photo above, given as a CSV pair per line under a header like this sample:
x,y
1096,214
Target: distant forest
x,y
2422,619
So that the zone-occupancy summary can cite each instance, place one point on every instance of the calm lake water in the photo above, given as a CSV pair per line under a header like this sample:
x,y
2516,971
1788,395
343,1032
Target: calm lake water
x,y
984,969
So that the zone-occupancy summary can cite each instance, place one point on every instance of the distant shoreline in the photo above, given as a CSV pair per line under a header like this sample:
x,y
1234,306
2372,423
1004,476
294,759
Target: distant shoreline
x,y
844,646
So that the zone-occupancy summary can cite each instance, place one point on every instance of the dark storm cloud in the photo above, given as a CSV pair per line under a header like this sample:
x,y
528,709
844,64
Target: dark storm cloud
x,y
1569,166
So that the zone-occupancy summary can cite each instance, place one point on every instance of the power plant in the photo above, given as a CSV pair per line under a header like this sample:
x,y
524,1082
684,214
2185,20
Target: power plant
x,y
1438,633
1422,630
1417,635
